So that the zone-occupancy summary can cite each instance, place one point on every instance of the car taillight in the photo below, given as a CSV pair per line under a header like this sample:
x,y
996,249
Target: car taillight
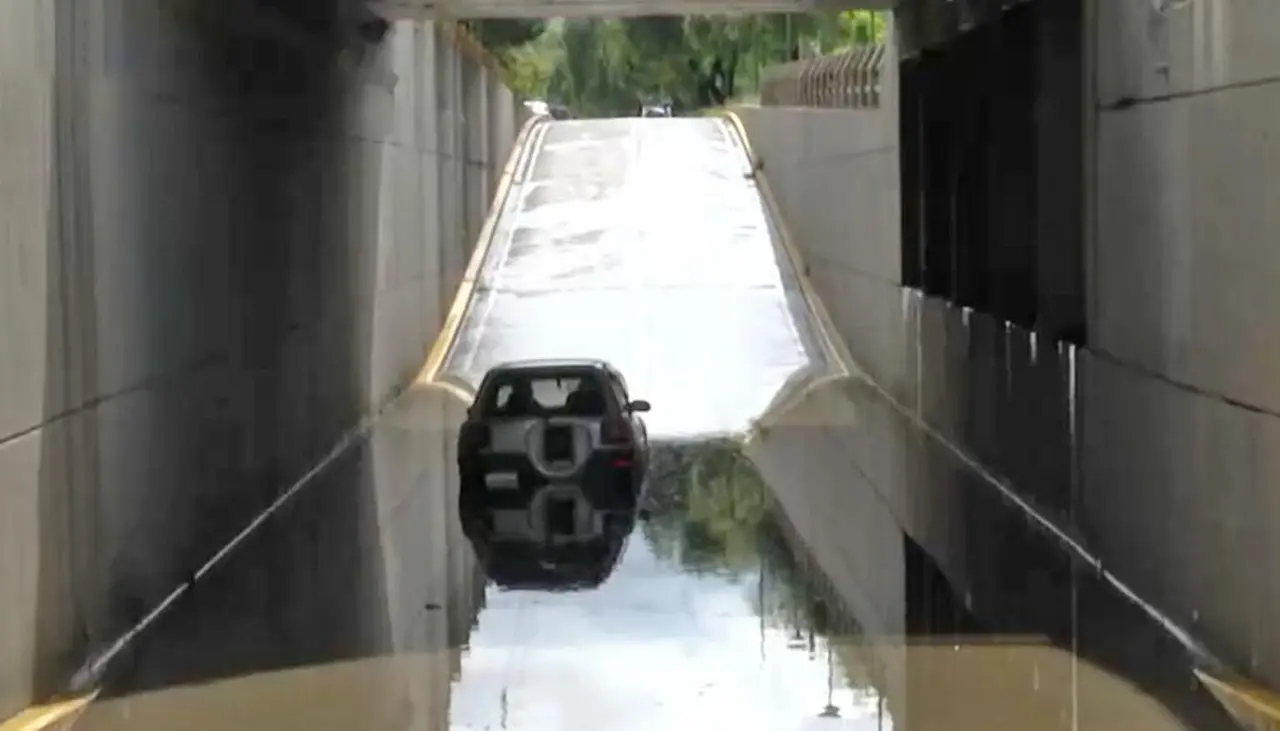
x,y
616,432
474,436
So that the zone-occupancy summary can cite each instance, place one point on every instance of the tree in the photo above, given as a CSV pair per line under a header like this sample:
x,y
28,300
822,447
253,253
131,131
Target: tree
x,y
864,26
502,34
531,67
608,67
594,76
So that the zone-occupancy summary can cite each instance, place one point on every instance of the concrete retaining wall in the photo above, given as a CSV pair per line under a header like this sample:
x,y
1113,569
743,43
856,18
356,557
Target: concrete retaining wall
x,y
834,173
1180,416
216,254
1157,444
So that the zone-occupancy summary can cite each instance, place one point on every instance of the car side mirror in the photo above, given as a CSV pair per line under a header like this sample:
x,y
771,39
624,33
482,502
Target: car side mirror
x,y
639,405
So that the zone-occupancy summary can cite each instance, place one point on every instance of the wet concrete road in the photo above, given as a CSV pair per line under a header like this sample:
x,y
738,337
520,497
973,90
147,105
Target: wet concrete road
x,y
644,242
769,588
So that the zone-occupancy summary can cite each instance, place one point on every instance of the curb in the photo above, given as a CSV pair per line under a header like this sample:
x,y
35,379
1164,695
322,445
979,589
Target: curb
x,y
443,344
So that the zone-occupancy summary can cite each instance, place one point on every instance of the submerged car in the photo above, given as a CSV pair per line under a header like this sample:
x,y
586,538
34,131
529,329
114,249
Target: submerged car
x,y
535,423
553,459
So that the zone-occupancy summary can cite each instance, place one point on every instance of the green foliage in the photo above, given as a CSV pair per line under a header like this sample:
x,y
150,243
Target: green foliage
x,y
607,67
533,63
715,502
864,26
502,34
714,514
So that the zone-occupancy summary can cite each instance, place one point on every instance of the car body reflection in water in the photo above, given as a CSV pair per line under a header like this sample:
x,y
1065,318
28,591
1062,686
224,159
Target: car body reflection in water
x,y
553,539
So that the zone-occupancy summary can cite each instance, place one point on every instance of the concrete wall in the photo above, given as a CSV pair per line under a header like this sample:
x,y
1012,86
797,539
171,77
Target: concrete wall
x,y
956,381
834,173
1157,444
221,245
1180,411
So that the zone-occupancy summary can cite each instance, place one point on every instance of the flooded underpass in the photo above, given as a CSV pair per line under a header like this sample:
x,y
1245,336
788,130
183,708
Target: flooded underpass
x,y
804,555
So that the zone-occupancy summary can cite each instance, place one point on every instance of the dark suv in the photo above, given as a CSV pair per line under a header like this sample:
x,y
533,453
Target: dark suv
x,y
539,423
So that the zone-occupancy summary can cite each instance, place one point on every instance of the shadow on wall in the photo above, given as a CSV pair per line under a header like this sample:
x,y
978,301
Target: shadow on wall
x,y
352,596
206,336
221,261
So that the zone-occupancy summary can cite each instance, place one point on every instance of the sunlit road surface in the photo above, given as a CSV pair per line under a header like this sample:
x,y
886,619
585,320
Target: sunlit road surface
x,y
644,242
771,590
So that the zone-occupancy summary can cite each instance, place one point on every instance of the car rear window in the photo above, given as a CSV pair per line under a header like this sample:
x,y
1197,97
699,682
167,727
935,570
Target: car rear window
x,y
519,394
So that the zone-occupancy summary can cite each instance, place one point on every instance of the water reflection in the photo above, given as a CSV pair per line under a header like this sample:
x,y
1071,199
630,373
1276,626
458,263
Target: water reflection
x,y
708,507
771,587
552,539
706,620
976,616
1171,488
346,609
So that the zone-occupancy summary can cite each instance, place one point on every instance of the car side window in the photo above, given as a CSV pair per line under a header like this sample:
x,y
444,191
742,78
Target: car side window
x,y
619,391
502,397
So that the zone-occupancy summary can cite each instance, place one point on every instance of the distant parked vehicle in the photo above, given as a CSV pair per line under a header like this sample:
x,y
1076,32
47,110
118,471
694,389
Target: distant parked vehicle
x,y
655,110
555,111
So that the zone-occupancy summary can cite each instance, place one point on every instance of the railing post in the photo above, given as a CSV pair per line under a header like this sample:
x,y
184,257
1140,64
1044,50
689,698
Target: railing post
x,y
849,80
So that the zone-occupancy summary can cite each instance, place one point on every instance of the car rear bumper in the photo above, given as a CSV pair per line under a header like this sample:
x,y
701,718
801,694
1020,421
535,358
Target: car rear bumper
x,y
608,481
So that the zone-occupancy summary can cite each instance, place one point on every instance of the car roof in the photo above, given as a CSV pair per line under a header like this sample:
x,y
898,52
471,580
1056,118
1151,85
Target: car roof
x,y
551,363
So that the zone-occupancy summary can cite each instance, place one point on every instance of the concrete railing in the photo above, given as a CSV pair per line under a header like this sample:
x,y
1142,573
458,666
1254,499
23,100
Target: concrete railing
x,y
845,81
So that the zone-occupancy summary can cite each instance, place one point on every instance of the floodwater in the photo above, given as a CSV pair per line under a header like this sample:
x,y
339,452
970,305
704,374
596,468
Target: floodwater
x,y
762,588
